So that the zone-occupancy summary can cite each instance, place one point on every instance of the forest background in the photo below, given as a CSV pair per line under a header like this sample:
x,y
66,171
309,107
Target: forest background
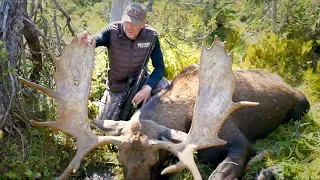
x,y
280,36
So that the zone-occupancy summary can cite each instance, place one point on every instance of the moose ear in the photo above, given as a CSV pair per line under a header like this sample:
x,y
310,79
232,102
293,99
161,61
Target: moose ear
x,y
109,127
172,135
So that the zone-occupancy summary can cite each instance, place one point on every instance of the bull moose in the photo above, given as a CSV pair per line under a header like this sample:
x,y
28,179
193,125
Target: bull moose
x,y
188,116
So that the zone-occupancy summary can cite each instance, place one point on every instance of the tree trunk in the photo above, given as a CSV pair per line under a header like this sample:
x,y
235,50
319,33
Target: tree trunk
x,y
149,5
11,28
117,9
274,16
32,38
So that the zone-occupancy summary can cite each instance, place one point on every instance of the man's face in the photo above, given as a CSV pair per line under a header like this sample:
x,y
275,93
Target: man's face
x,y
132,30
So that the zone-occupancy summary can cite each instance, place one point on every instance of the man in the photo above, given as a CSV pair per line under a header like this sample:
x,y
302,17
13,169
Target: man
x,y
128,41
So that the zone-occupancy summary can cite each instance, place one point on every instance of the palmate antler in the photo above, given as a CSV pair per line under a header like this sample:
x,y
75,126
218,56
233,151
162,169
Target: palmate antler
x,y
213,106
73,78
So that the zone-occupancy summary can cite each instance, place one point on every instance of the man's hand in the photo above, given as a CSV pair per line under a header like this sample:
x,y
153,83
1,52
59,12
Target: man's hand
x,y
143,95
84,36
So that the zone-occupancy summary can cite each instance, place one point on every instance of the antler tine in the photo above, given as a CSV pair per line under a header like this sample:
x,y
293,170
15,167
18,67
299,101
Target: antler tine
x,y
73,78
184,153
49,92
85,148
213,106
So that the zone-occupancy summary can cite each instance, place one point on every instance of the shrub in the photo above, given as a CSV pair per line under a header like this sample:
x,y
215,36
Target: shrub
x,y
286,57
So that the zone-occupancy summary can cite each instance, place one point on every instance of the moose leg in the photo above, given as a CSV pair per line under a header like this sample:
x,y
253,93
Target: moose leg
x,y
237,152
233,166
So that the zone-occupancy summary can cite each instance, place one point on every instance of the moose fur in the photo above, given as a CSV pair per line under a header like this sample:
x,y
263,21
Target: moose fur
x,y
173,109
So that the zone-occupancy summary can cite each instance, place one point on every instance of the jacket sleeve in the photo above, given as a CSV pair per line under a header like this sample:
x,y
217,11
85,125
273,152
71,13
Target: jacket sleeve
x,y
158,64
103,38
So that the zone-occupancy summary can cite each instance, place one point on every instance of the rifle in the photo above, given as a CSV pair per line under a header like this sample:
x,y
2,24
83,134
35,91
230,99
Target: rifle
x,y
134,85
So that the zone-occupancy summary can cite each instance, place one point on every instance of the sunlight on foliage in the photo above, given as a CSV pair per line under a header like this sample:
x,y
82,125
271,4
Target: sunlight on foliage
x,y
175,60
293,145
286,57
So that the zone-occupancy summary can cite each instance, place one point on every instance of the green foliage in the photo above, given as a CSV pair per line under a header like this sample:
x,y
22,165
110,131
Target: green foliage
x,y
235,44
312,88
295,148
41,159
176,59
85,3
221,18
34,105
185,26
2,134
98,81
253,14
3,53
93,18
300,18
295,18
178,35
48,153
286,57
3,62
312,81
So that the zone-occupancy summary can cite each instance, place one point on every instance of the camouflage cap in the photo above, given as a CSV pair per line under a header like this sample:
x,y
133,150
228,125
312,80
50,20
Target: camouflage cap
x,y
135,13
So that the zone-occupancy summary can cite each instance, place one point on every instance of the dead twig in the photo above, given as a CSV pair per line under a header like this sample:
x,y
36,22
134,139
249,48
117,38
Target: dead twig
x,y
66,15
57,31
23,59
22,139
13,92
181,51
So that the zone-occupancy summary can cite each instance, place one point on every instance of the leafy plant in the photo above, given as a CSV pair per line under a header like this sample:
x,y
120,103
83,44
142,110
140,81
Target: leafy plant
x,y
286,57
293,146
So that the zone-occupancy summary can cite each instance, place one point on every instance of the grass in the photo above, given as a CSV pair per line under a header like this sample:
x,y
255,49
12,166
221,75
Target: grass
x,y
47,155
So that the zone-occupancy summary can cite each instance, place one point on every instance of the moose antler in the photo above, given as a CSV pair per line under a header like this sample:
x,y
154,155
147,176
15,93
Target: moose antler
x,y
73,78
213,106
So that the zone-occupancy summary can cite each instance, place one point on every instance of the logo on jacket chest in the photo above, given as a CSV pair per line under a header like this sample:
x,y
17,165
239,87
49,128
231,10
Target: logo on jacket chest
x,y
143,45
